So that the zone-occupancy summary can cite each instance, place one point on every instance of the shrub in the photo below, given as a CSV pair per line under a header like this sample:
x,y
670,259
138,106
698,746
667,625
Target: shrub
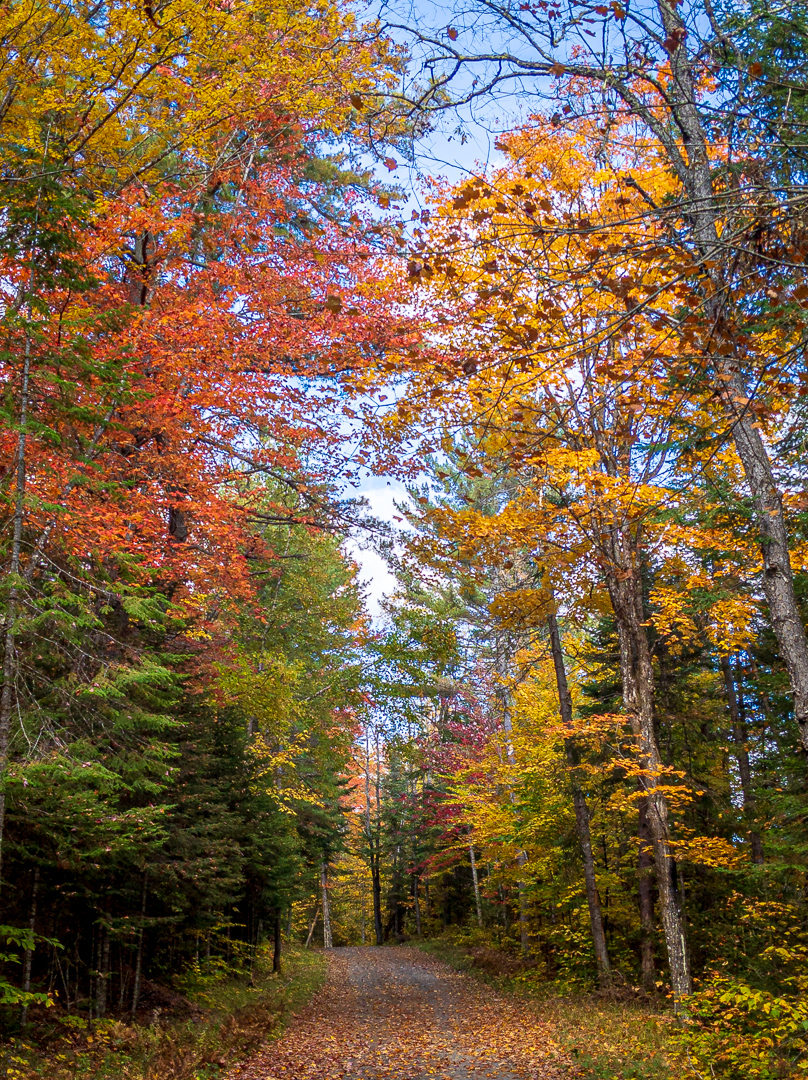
x,y
736,1032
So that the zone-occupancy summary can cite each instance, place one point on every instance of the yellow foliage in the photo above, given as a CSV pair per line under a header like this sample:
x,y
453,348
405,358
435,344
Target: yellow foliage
x,y
129,92
266,691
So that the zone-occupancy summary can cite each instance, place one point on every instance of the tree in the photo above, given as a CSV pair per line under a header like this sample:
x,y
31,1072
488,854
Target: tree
x,y
579,414
125,456
185,289
689,84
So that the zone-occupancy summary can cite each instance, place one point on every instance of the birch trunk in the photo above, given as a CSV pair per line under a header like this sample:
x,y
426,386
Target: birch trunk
x,y
139,960
502,652
310,934
695,172
103,974
26,967
276,950
375,868
416,905
373,846
645,866
474,878
7,694
327,943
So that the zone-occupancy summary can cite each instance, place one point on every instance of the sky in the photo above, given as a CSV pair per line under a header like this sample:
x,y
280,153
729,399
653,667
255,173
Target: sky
x,y
382,493
442,153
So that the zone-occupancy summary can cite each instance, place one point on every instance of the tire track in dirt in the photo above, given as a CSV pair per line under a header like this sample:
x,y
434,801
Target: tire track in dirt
x,y
397,1014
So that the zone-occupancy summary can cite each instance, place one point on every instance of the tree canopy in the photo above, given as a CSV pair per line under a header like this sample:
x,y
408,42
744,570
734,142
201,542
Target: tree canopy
x,y
577,733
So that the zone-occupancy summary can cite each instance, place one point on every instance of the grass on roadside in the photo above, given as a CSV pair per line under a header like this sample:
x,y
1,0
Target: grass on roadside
x,y
609,1039
234,1019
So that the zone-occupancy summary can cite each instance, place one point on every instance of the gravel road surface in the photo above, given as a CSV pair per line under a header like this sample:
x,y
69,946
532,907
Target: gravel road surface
x,y
398,1014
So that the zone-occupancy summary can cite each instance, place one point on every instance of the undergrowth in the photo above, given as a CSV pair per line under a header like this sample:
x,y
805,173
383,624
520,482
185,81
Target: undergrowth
x,y
608,1037
234,1016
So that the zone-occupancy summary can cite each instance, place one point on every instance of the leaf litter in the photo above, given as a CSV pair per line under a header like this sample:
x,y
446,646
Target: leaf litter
x,y
396,1014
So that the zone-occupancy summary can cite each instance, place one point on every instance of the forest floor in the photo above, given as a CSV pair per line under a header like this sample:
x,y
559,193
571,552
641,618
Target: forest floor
x,y
225,1019
439,1012
403,1014
399,1014
610,1035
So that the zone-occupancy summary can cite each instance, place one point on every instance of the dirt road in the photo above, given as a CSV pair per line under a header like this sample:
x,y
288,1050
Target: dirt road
x,y
397,1014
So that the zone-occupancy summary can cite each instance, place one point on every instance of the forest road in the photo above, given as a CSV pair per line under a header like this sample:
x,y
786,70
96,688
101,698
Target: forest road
x,y
398,1014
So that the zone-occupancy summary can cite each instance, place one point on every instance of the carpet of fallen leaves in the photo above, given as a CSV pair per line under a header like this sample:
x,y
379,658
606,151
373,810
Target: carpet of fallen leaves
x,y
396,1014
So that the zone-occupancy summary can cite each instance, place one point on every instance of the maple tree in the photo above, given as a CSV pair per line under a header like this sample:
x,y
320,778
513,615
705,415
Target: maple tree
x,y
571,745
564,411
693,86
186,284
565,374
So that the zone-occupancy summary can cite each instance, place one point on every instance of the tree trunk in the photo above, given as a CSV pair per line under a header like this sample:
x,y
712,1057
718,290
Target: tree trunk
x,y
637,675
645,864
377,901
276,951
397,890
416,905
7,694
310,934
502,659
581,809
695,171
327,944
739,735
374,842
139,959
524,929
474,878
29,953
103,973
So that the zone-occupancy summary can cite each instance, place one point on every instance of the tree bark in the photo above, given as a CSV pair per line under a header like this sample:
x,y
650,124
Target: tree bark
x,y
374,841
103,973
502,659
645,864
7,694
524,925
416,906
474,878
636,669
276,951
139,959
29,953
376,879
362,902
581,809
327,943
310,934
739,734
